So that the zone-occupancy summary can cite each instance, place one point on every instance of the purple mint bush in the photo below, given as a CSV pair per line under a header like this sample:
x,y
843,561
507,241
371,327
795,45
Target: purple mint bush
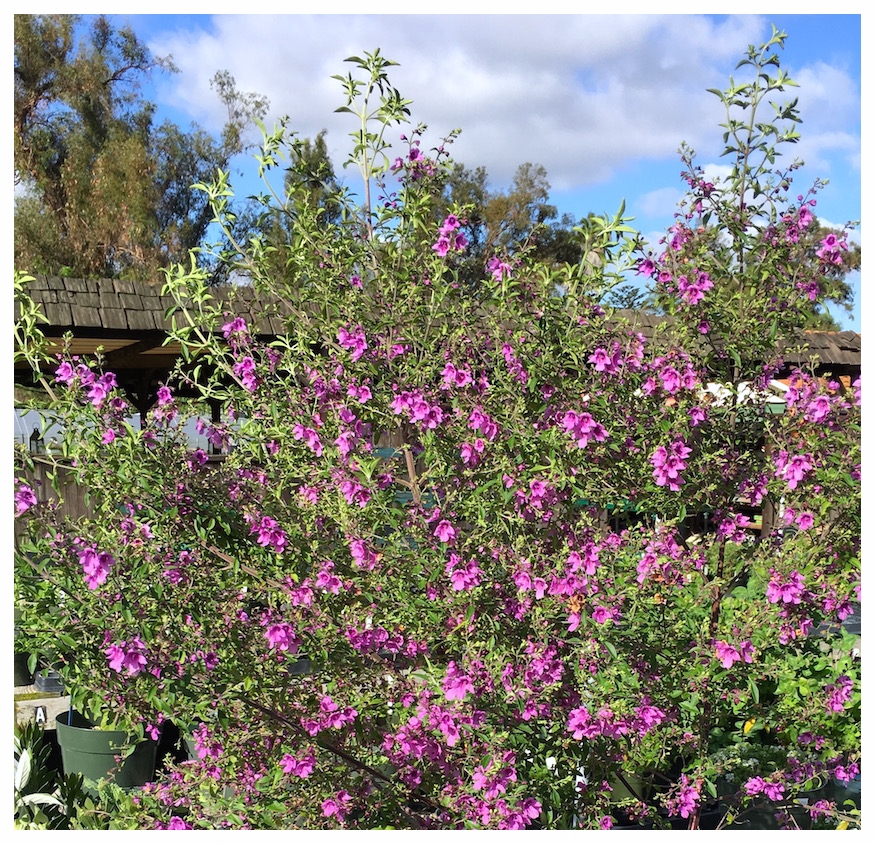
x,y
473,549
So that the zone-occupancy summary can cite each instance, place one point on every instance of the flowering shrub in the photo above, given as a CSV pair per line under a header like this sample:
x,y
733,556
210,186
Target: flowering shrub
x,y
473,557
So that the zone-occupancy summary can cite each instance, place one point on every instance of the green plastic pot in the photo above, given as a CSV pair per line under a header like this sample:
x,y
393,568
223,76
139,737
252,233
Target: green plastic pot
x,y
92,752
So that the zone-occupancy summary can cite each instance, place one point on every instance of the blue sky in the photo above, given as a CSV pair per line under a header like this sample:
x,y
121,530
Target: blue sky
x,y
602,102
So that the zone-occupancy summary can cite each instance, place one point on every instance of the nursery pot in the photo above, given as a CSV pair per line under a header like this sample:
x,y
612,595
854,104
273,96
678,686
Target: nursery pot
x,y
23,677
92,752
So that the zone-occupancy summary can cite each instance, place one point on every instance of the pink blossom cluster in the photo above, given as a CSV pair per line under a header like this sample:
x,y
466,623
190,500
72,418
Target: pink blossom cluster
x,y
839,693
206,745
25,498
479,420
583,428
668,463
454,376
463,575
310,436
360,392
327,580
471,452
498,268
449,238
337,806
496,776
514,364
787,589
127,655
671,375
831,248
354,492
730,654
418,409
96,565
244,369
355,341
99,387
282,637
732,527
445,532
363,556
374,640
418,165
236,332
770,788
270,534
607,362
329,717
301,766
686,799
583,724
692,292
665,559
457,684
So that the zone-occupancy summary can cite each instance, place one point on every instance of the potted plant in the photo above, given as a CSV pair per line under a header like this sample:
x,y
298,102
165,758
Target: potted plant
x,y
97,753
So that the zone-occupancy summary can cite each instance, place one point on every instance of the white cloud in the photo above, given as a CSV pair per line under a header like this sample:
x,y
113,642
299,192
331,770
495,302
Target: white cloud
x,y
580,94
657,202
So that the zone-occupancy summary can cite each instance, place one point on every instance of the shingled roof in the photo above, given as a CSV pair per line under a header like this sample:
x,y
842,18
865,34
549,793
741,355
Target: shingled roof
x,y
109,305
128,320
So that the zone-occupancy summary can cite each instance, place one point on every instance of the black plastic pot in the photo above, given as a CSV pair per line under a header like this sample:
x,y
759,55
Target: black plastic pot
x,y
23,677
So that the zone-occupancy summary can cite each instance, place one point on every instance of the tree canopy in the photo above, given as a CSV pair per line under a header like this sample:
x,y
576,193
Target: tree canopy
x,y
102,190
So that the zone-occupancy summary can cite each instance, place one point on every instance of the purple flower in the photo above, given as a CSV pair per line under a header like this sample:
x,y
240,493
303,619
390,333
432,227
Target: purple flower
x,y
364,557
831,249
100,388
794,468
442,246
445,532
25,498
236,327
309,436
787,591
337,805
463,576
354,340
302,767
326,579
270,534
499,269
686,800
729,654
244,369
583,428
457,684
127,656
839,693
65,372
647,267
669,462
805,521
282,637
95,565
580,723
